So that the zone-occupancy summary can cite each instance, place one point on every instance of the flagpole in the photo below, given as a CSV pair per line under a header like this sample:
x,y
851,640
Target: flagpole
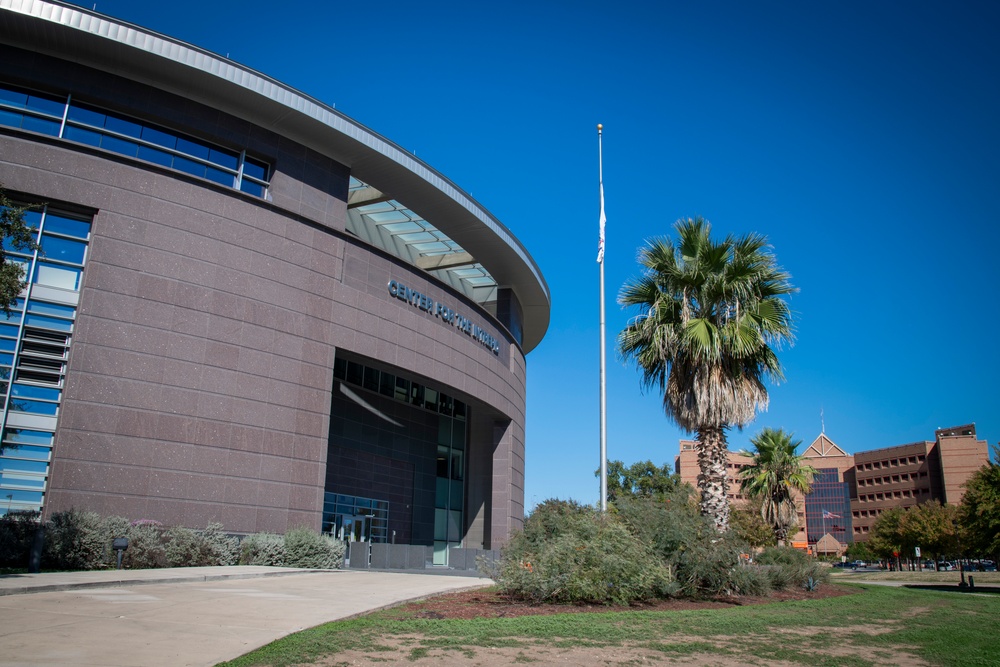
x,y
603,379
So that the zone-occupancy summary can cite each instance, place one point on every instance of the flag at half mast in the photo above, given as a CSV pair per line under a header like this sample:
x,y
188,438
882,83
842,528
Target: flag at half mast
x,y
600,180
600,244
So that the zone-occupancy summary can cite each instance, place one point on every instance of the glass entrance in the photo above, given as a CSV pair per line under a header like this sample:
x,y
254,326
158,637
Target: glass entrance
x,y
356,529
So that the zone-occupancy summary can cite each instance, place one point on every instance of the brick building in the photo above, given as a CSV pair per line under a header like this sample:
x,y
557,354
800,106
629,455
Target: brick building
x,y
850,490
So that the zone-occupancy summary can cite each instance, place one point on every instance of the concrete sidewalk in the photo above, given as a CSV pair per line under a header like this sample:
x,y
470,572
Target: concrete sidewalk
x,y
186,616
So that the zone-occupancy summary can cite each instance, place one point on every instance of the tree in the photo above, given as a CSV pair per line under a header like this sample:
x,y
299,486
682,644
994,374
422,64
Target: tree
x,y
931,526
640,480
979,512
886,536
711,314
749,525
16,235
775,473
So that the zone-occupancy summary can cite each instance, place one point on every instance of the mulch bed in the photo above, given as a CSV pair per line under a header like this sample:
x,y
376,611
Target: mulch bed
x,y
488,603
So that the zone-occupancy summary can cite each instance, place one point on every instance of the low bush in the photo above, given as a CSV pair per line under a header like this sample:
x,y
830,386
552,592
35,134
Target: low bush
x,y
790,568
224,549
74,541
704,563
307,548
262,549
571,553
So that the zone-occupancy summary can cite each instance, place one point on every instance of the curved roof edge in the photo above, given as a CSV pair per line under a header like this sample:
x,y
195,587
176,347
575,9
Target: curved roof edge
x,y
135,53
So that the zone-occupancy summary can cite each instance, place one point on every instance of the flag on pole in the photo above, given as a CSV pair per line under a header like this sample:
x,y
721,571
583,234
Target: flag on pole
x,y
831,515
600,244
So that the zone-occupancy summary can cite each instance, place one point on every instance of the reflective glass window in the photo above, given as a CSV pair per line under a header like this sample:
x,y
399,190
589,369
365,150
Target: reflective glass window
x,y
220,177
123,126
224,158
48,323
155,156
45,105
63,250
22,496
189,167
28,452
34,407
80,135
28,437
85,116
60,224
159,137
252,188
10,118
40,125
24,465
31,391
63,277
191,147
45,308
13,98
116,145
254,169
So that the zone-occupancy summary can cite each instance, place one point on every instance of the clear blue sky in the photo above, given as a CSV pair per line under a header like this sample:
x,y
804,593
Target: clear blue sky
x,y
862,138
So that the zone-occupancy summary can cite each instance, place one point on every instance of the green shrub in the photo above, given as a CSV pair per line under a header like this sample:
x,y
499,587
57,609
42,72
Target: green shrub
x,y
262,549
184,547
74,541
750,580
146,546
790,568
307,548
704,562
224,549
17,532
571,553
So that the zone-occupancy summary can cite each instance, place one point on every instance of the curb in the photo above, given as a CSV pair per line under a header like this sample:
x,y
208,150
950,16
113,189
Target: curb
x,y
117,583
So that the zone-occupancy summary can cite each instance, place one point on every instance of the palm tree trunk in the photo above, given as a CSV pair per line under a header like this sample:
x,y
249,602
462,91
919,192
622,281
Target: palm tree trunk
x,y
712,462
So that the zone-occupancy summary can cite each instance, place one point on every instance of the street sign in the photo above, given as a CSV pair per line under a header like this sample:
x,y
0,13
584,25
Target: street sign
x,y
917,551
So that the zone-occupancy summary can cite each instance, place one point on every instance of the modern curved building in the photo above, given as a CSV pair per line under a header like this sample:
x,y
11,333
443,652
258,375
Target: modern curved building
x,y
247,307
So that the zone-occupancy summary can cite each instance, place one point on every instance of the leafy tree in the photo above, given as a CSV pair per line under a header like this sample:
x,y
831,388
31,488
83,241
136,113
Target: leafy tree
x,y
16,235
711,314
642,479
979,512
775,473
886,536
931,526
860,551
749,525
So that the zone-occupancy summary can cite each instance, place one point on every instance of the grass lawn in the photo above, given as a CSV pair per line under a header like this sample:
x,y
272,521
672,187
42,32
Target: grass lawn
x,y
878,626
927,576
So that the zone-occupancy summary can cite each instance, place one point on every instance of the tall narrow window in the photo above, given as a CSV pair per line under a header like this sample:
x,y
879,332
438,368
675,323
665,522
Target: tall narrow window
x,y
34,347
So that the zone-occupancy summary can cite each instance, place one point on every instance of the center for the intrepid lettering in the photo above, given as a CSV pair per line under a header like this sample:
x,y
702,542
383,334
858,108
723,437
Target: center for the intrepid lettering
x,y
446,314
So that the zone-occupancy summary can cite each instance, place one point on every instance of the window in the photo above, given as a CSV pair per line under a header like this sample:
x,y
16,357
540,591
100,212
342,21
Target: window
x,y
34,345
133,138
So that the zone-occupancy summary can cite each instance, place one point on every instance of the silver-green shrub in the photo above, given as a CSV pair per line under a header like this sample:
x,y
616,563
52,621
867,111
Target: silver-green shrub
x,y
224,549
262,549
74,541
307,548
146,545
572,553
790,568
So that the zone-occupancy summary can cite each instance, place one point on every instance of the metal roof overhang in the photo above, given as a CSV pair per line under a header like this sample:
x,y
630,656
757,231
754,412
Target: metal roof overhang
x,y
72,33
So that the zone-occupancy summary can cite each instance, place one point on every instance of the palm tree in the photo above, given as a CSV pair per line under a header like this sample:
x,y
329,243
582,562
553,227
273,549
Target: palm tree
x,y
711,316
775,474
